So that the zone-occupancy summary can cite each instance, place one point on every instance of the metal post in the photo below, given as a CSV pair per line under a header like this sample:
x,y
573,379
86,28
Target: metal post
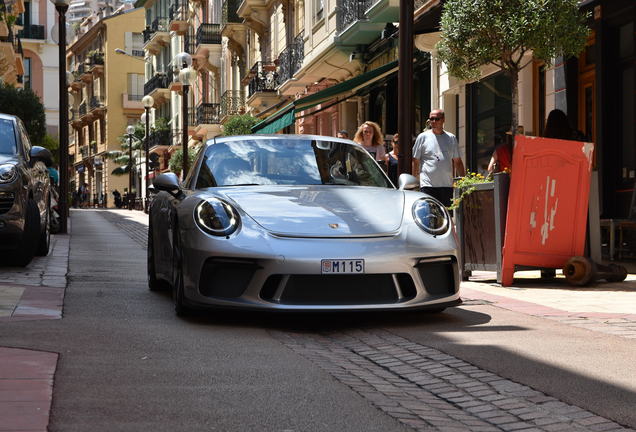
x,y
405,86
63,150
186,87
147,164
130,173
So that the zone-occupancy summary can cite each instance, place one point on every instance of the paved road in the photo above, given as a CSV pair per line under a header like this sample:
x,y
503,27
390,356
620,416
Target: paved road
x,y
127,363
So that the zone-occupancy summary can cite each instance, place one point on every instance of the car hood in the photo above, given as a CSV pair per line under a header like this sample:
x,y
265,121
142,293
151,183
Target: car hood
x,y
5,158
322,211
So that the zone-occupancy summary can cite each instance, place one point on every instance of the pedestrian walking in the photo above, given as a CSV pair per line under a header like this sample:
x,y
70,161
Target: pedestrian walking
x,y
117,197
369,135
342,134
436,159
391,159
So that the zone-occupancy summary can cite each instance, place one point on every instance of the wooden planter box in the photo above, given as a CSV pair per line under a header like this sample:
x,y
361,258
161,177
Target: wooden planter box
x,y
481,223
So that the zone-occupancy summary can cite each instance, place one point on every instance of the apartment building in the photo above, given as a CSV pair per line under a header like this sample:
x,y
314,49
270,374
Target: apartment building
x,y
11,52
106,98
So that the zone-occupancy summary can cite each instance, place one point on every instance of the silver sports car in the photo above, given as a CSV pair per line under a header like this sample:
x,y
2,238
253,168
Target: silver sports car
x,y
298,222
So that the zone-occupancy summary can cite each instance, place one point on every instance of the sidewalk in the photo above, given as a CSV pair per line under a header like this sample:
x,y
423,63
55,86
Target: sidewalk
x,y
37,292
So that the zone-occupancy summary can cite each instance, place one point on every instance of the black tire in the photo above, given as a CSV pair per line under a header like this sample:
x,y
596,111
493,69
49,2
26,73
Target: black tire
x,y
45,237
180,309
154,284
435,310
26,250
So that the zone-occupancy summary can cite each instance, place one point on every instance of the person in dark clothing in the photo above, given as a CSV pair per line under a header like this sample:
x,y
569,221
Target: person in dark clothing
x,y
558,126
117,196
391,159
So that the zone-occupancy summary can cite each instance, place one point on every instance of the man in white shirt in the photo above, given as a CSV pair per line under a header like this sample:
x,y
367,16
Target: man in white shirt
x,y
436,159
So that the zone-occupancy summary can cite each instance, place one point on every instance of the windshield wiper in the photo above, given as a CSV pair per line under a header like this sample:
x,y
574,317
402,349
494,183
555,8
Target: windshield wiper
x,y
244,184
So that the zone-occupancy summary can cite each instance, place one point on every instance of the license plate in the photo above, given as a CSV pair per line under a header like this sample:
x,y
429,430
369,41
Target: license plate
x,y
347,266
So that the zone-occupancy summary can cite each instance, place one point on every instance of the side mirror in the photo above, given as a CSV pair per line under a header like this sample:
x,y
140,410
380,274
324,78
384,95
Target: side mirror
x,y
152,189
408,182
168,182
41,154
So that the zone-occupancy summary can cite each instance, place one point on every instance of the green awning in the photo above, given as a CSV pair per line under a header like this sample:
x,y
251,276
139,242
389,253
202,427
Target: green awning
x,y
285,116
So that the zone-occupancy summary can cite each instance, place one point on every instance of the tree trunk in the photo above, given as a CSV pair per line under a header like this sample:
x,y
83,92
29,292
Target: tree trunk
x,y
514,92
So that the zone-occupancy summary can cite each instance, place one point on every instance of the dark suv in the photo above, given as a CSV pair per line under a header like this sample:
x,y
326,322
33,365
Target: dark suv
x,y
24,194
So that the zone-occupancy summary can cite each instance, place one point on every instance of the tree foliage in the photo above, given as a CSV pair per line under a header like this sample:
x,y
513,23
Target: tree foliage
x,y
175,164
27,106
122,157
239,125
502,32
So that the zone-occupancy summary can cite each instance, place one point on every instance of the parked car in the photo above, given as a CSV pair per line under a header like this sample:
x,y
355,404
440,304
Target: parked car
x,y
24,194
298,222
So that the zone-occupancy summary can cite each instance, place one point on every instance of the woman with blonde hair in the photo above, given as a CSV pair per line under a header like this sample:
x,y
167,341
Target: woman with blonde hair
x,y
370,136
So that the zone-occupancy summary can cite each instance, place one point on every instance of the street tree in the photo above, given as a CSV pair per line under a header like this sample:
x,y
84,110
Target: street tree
x,y
27,106
122,157
501,32
175,164
239,125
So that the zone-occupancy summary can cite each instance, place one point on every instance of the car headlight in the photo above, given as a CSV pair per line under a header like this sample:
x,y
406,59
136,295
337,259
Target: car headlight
x,y
431,216
216,217
8,173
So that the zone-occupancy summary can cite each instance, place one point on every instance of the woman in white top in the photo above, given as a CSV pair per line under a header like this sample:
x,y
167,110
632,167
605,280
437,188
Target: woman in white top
x,y
371,138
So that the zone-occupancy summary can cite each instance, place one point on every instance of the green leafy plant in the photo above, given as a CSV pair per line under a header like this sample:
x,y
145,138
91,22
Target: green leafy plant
x,y
502,32
175,164
25,104
161,124
239,125
466,185
122,157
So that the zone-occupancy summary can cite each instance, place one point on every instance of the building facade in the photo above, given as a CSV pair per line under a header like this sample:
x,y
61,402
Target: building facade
x,y
106,92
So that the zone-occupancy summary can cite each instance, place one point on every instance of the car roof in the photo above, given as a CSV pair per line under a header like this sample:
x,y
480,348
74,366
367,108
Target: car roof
x,y
280,137
8,117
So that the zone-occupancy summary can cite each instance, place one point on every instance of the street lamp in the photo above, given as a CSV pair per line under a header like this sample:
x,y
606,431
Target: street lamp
x,y
62,6
186,76
148,102
130,130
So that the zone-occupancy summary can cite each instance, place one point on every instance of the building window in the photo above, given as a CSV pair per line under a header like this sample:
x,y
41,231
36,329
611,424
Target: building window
x,y
490,118
27,73
319,8
135,86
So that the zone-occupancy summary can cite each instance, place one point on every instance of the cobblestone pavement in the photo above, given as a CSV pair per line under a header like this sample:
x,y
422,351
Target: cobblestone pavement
x,y
429,390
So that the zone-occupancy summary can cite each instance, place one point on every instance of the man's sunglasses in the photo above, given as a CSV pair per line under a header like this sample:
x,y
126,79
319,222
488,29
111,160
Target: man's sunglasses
x,y
435,118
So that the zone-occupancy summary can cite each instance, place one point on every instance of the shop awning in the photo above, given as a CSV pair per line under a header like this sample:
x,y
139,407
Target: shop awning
x,y
286,115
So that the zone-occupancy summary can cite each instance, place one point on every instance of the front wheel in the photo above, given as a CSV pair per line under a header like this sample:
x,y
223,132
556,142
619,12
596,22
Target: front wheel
x,y
29,242
45,236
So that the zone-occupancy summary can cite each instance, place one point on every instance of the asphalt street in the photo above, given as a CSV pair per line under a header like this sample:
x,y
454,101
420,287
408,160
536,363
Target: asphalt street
x,y
126,362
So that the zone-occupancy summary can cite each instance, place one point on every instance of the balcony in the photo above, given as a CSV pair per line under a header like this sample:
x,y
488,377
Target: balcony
x,y
232,103
208,120
290,60
353,27
178,15
84,151
232,25
32,31
384,11
97,104
207,41
83,109
208,34
262,86
157,35
159,138
157,87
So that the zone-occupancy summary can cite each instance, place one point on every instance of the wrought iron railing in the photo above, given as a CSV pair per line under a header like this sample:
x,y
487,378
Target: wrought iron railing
x,y
350,11
83,109
32,31
291,59
189,42
96,102
159,24
229,13
157,81
148,32
178,10
159,137
137,53
209,113
232,102
264,78
84,151
92,148
208,34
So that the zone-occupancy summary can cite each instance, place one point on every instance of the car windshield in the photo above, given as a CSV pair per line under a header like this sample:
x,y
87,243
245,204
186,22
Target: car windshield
x,y
265,161
7,137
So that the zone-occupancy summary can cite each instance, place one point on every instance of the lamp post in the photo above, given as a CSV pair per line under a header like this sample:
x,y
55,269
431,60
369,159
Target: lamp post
x,y
148,102
62,6
186,76
130,130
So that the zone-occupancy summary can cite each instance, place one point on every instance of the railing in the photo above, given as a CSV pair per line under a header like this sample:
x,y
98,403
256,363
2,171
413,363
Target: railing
x,y
208,34
32,31
137,53
84,151
230,12
189,43
209,113
96,102
264,78
291,59
178,10
159,24
350,11
83,109
92,148
232,102
159,137
157,81
148,32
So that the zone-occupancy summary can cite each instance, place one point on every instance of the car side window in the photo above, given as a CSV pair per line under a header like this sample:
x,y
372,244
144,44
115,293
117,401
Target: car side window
x,y
26,143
